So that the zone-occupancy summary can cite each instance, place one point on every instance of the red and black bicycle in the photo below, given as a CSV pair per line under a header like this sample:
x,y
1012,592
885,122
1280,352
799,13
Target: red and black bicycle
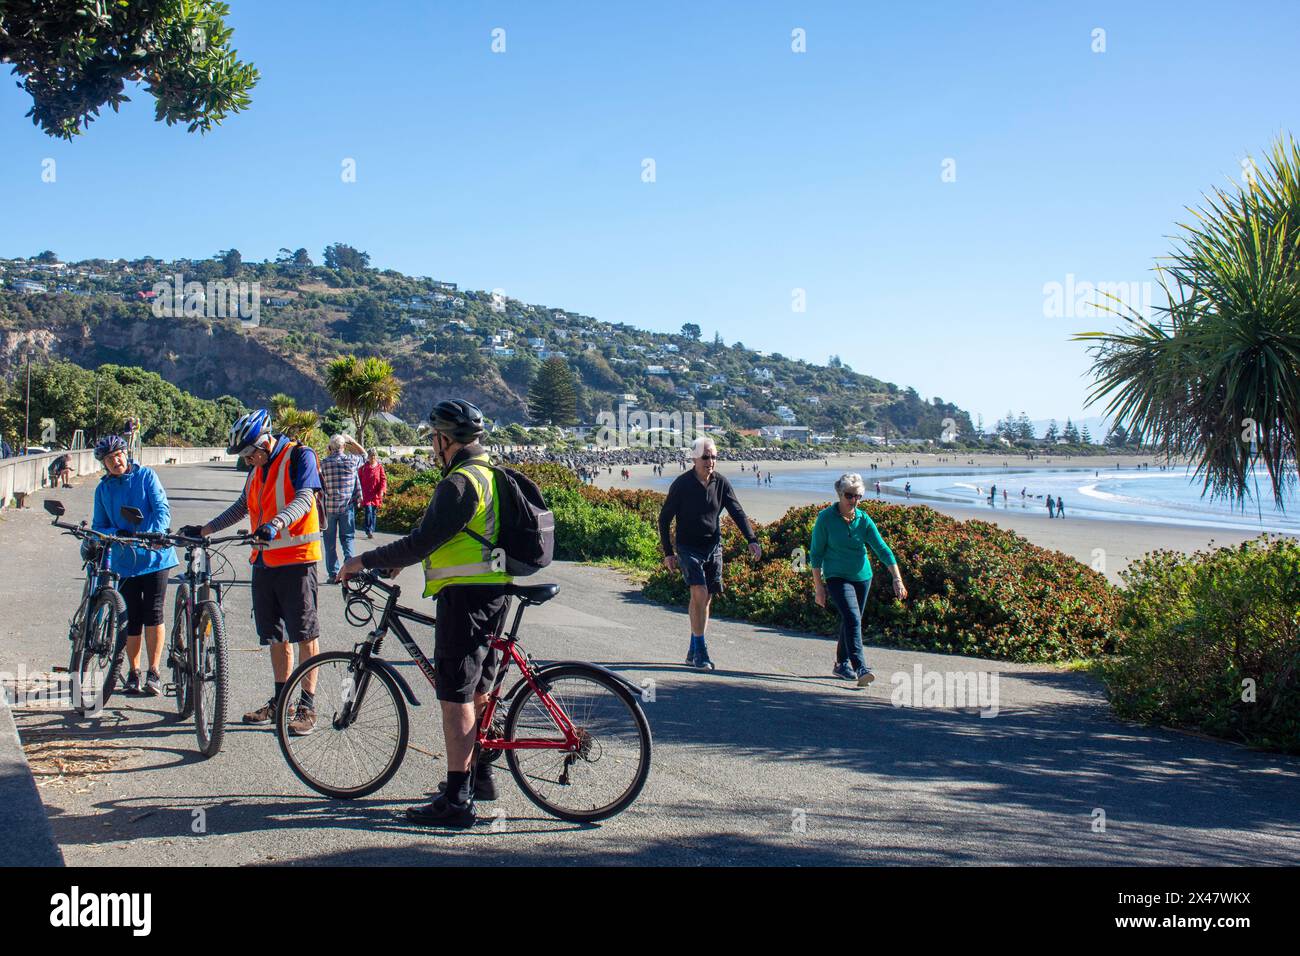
x,y
575,737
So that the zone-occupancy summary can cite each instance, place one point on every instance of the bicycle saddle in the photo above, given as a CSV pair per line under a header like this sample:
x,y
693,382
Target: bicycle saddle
x,y
533,593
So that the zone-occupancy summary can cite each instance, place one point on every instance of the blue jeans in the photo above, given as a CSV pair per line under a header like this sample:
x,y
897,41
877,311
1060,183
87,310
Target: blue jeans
x,y
850,599
343,527
370,513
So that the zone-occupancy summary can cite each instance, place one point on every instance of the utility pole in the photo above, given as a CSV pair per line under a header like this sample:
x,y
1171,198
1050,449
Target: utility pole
x,y
96,405
27,414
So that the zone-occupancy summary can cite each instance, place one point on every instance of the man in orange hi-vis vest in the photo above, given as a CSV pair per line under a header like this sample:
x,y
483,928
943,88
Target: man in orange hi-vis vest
x,y
280,499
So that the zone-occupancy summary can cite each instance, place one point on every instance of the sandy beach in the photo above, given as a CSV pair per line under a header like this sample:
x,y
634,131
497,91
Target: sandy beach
x,y
1110,543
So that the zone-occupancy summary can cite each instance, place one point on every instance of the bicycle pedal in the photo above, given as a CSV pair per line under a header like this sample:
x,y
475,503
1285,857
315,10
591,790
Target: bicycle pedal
x,y
58,669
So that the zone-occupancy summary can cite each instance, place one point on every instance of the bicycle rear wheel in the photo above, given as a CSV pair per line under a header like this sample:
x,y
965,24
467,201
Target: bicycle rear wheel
x,y
178,653
349,761
613,762
98,658
211,690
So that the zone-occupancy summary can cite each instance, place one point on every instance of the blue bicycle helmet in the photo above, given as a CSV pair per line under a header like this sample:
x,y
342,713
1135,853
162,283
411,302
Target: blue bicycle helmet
x,y
109,444
247,430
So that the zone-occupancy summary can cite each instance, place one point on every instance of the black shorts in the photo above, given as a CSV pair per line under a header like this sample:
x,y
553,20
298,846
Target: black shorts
x,y
468,616
145,596
284,603
703,568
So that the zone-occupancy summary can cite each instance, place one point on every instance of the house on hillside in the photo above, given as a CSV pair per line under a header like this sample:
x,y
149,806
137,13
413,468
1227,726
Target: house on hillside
x,y
762,374
28,286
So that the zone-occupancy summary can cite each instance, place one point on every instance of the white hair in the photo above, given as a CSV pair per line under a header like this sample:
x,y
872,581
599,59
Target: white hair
x,y
701,443
850,481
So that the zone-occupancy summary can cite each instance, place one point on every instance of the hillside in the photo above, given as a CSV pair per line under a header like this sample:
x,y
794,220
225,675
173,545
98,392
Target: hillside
x,y
440,339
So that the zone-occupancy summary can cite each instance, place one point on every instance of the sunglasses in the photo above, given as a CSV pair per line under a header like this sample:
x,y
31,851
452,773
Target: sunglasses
x,y
709,457
852,496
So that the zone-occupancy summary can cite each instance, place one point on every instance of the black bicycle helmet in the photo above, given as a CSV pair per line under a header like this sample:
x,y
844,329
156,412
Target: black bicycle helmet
x,y
458,420
107,445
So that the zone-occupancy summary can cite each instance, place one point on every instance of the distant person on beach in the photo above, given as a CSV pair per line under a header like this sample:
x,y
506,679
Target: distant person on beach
x,y
877,489
695,502
907,489
842,536
1051,507
1060,507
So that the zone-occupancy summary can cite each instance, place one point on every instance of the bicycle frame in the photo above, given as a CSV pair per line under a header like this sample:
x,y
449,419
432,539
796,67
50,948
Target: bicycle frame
x,y
392,618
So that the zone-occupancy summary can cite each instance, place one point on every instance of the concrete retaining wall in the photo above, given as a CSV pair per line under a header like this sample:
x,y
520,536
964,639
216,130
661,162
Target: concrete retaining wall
x,y
23,475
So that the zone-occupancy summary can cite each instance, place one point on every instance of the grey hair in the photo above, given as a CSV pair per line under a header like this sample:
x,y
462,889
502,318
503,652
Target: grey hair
x,y
701,443
849,481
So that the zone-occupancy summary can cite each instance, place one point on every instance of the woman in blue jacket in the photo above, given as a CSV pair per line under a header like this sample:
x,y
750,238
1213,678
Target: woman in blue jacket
x,y
842,536
144,571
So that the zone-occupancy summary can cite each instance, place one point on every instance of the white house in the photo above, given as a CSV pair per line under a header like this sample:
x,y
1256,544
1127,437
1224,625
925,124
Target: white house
x,y
656,370
27,285
763,374
537,342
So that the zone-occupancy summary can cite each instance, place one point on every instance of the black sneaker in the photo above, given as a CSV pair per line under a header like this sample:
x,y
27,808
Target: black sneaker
x,y
702,660
153,685
132,685
443,813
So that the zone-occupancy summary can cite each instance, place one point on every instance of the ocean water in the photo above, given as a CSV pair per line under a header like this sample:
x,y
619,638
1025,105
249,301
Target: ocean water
x,y
1161,497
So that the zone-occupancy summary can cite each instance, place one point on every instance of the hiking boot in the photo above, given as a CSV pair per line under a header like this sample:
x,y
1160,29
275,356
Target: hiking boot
x,y
153,685
304,721
132,685
263,715
443,813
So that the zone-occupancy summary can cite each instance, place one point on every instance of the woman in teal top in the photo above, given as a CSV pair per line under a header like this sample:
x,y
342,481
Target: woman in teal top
x,y
842,571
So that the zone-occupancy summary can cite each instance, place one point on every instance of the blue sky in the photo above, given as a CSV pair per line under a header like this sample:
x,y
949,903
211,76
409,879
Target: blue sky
x,y
774,170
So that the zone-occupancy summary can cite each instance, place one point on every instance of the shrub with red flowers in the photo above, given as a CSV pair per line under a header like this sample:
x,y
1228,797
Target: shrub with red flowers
x,y
974,588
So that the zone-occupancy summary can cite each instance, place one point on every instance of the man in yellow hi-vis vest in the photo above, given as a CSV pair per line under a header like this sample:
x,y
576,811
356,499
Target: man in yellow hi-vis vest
x,y
467,577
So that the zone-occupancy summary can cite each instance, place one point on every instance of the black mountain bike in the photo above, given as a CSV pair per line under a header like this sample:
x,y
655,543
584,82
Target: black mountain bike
x,y
197,654
574,736
97,630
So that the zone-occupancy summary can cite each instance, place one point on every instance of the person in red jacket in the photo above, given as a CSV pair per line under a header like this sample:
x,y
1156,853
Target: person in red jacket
x,y
374,485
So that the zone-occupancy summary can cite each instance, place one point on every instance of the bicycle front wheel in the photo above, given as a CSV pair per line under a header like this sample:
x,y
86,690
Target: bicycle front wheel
x,y
97,659
211,690
613,759
178,653
352,757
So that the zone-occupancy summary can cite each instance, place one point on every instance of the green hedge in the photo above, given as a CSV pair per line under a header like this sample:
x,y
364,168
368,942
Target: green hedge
x,y
1197,627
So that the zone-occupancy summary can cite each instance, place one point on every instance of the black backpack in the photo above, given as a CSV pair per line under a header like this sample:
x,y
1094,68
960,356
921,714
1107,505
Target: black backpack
x,y
526,527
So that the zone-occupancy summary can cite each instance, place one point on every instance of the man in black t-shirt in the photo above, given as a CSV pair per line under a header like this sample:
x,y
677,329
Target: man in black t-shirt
x,y
695,500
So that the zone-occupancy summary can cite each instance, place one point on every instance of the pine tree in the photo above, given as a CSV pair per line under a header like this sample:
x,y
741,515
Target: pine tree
x,y
1071,433
1024,428
1053,433
1085,436
553,397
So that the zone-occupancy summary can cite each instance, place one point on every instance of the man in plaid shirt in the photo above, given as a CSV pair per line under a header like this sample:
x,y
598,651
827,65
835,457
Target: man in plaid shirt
x,y
338,472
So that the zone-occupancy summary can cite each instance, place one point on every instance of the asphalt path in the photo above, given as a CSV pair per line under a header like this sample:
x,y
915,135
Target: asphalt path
x,y
768,760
